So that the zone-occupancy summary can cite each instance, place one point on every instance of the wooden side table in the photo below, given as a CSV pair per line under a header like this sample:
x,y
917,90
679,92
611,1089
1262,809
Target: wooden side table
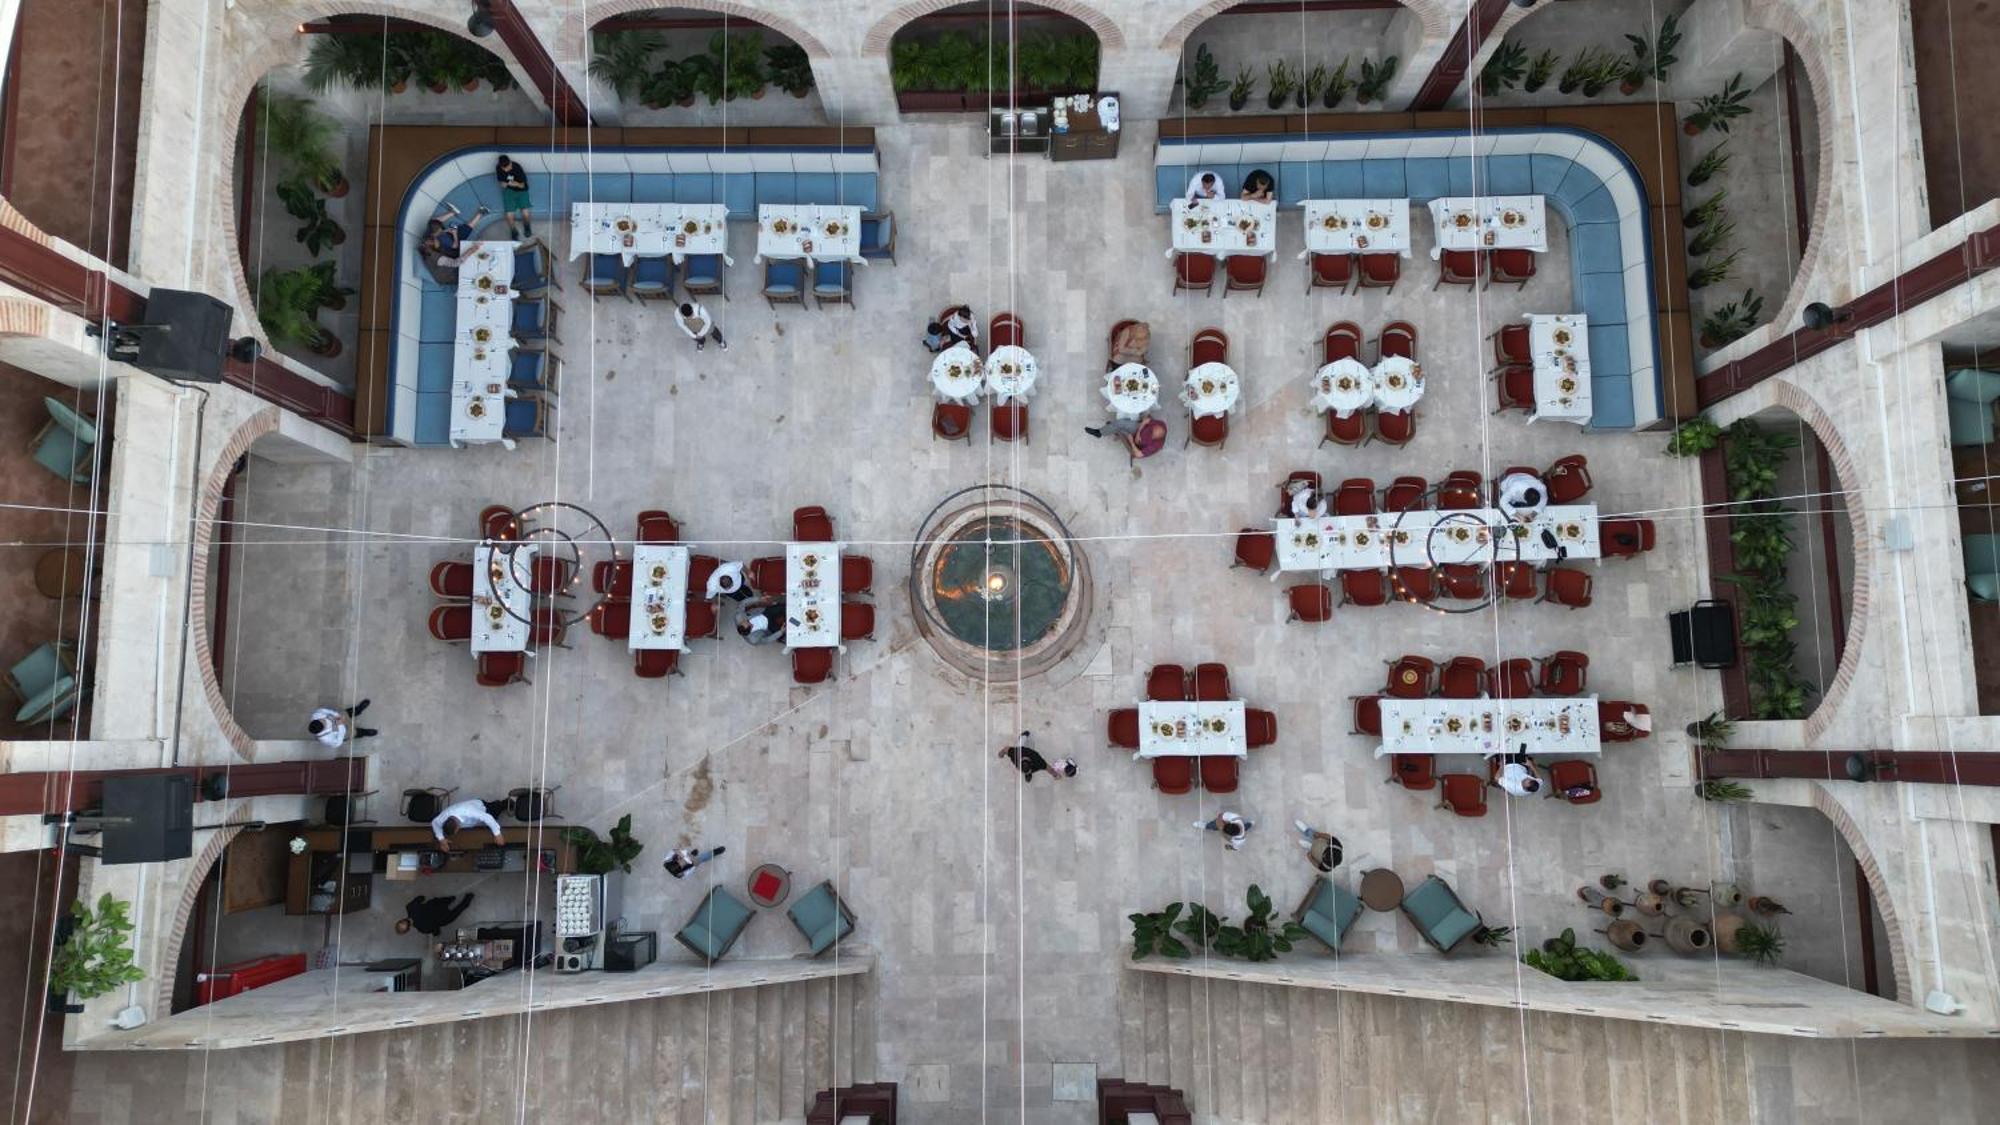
x,y
769,885
1382,889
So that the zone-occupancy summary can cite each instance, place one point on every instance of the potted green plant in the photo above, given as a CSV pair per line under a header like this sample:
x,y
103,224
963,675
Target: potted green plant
x,y
354,61
1375,79
704,76
1563,959
302,137
1504,69
317,230
1763,944
1716,111
1718,789
332,295
1584,64
1263,935
93,953
1492,937
1154,933
742,63
1314,85
623,60
595,856
789,68
1712,235
1710,165
1337,85
1241,89
1203,81
1278,83
1712,271
1711,730
286,302
1608,69
1540,69
1706,211
1651,59
1693,438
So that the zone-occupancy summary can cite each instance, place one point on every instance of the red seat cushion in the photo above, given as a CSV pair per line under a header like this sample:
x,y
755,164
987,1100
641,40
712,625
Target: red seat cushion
x,y
1255,549
1333,269
1196,269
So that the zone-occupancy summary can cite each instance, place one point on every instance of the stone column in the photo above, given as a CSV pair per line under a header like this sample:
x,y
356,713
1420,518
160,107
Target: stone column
x,y
1416,54
1717,42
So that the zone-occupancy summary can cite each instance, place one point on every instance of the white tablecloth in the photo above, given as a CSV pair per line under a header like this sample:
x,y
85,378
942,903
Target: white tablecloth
x,y
478,310
494,629
1399,382
812,595
654,229
1210,390
1010,374
659,596
479,392
1130,390
1560,346
1420,538
1192,729
1346,385
1225,226
1357,226
485,308
1490,222
956,375
817,232
1489,726
493,261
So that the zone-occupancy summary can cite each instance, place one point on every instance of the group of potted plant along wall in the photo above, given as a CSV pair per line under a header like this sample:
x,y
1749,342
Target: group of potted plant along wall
x,y
1591,71
437,61
301,140
957,72
1286,85
1690,920
93,953
1261,936
636,66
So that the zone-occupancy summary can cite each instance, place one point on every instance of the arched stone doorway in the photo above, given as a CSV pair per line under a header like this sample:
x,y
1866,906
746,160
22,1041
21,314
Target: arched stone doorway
x,y
703,64
965,57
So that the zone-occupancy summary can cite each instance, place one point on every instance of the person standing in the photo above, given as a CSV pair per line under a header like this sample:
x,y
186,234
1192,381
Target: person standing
x,y
699,326
960,328
514,200
679,863
1025,759
727,581
332,728
1323,849
762,621
455,816
1234,828
432,915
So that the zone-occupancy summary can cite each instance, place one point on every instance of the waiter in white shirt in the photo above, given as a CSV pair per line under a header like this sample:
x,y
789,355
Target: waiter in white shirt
x,y
1307,502
727,581
1517,776
1522,496
457,815
332,728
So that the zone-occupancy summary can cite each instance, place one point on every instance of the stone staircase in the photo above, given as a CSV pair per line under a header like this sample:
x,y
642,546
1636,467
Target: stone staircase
x,y
759,1055
1239,1052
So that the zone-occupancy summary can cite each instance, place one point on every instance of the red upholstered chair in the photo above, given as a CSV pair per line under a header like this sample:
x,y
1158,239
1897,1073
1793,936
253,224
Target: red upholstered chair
x,y
498,523
1459,580
1379,271
1311,603
1210,430
1511,679
1396,427
1414,583
952,422
1460,267
1568,479
811,525
1510,265
1412,771
1004,330
658,527
1010,421
1255,549
1246,272
1564,672
1459,490
1463,793
1510,346
1367,715
1363,588
1573,774
451,623
1516,385
1342,341
614,577
1622,539
1173,776
857,574
1194,271
702,620
1330,271
1122,728
1111,341
1312,481
1405,494
655,663
811,665
611,619
1210,345
766,575
1211,683
1351,430
1611,724
548,627
1516,581
1167,683
550,577
857,621
1355,497
1260,728
1568,586
1410,677
499,669
1399,337
1218,772
1464,678
700,569
452,580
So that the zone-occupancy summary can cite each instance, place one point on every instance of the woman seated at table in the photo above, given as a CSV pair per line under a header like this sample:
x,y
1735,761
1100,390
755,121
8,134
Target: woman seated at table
x,y
1204,185
1143,436
762,620
1308,503
1259,187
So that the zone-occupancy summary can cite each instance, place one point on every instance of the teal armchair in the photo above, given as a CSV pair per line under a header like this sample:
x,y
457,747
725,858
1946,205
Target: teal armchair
x,y
1968,400
1982,566
717,923
45,682
822,917
64,446
1328,912
1434,909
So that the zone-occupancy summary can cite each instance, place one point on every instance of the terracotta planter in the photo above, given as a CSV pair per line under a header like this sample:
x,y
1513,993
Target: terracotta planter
x,y
439,87
1725,894
1650,904
399,85
758,96
327,346
1660,887
470,85
1767,906
1725,929
336,188
336,304
1627,936
1686,935
1628,88
1610,906
1691,129
800,92
338,236
1709,342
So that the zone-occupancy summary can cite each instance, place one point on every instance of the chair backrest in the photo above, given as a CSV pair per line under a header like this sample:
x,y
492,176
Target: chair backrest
x,y
1435,910
1167,683
653,271
1219,773
1211,345
1174,774
1342,341
1122,728
1246,269
1211,682
656,526
1399,338
1260,728
811,665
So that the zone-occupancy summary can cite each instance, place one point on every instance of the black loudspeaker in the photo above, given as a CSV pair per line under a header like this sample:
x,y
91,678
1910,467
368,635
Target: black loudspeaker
x,y
1704,634
630,952
148,818
185,336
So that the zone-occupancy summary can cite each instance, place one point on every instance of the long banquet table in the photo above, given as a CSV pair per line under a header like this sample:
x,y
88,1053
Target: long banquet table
x,y
501,602
1225,226
1425,538
1192,729
1489,726
812,595
482,345
651,230
659,596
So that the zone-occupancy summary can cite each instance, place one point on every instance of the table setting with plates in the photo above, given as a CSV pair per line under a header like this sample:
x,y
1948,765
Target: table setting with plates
x,y
1131,390
957,375
501,601
1343,386
1429,537
651,230
812,595
1357,226
1399,382
1560,347
1210,390
659,596
1490,222
1224,226
817,232
1489,727
1010,374
1168,729
482,345
478,310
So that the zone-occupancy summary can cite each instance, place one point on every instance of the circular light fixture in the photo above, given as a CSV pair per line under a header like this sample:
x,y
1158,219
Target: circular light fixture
x,y
480,24
998,585
1820,316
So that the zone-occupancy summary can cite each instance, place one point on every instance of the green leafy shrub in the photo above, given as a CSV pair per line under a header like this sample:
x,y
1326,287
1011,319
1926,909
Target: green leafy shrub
x,y
1563,959
97,956
1204,80
1694,437
1153,933
595,856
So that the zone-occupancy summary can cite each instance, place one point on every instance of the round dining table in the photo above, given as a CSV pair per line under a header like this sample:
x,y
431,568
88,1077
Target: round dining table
x,y
1343,386
1399,383
1010,374
956,375
1131,389
1210,390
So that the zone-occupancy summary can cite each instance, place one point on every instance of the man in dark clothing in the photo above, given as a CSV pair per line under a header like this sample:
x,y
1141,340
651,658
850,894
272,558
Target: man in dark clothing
x,y
1031,763
432,915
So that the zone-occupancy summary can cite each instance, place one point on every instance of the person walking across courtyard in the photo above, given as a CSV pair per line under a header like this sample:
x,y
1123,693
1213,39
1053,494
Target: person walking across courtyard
x,y
700,326
679,863
1030,763
334,727
1234,828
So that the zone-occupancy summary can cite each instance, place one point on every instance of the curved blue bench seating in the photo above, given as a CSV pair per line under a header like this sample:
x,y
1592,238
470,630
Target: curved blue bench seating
x,y
425,310
1590,187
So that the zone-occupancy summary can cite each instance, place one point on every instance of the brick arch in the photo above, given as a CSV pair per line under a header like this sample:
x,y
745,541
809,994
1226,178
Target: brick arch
x,y
876,43
572,40
1878,887
263,422
170,956
1436,18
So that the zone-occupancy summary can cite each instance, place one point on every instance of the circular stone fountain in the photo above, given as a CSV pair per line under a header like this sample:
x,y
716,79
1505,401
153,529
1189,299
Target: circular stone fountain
x,y
999,588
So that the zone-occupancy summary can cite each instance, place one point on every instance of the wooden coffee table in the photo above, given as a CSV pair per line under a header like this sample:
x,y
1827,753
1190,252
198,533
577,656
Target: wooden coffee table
x,y
1382,889
769,885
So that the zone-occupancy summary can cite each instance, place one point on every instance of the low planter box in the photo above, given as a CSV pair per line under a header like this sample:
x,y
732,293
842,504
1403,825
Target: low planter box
x,y
940,101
